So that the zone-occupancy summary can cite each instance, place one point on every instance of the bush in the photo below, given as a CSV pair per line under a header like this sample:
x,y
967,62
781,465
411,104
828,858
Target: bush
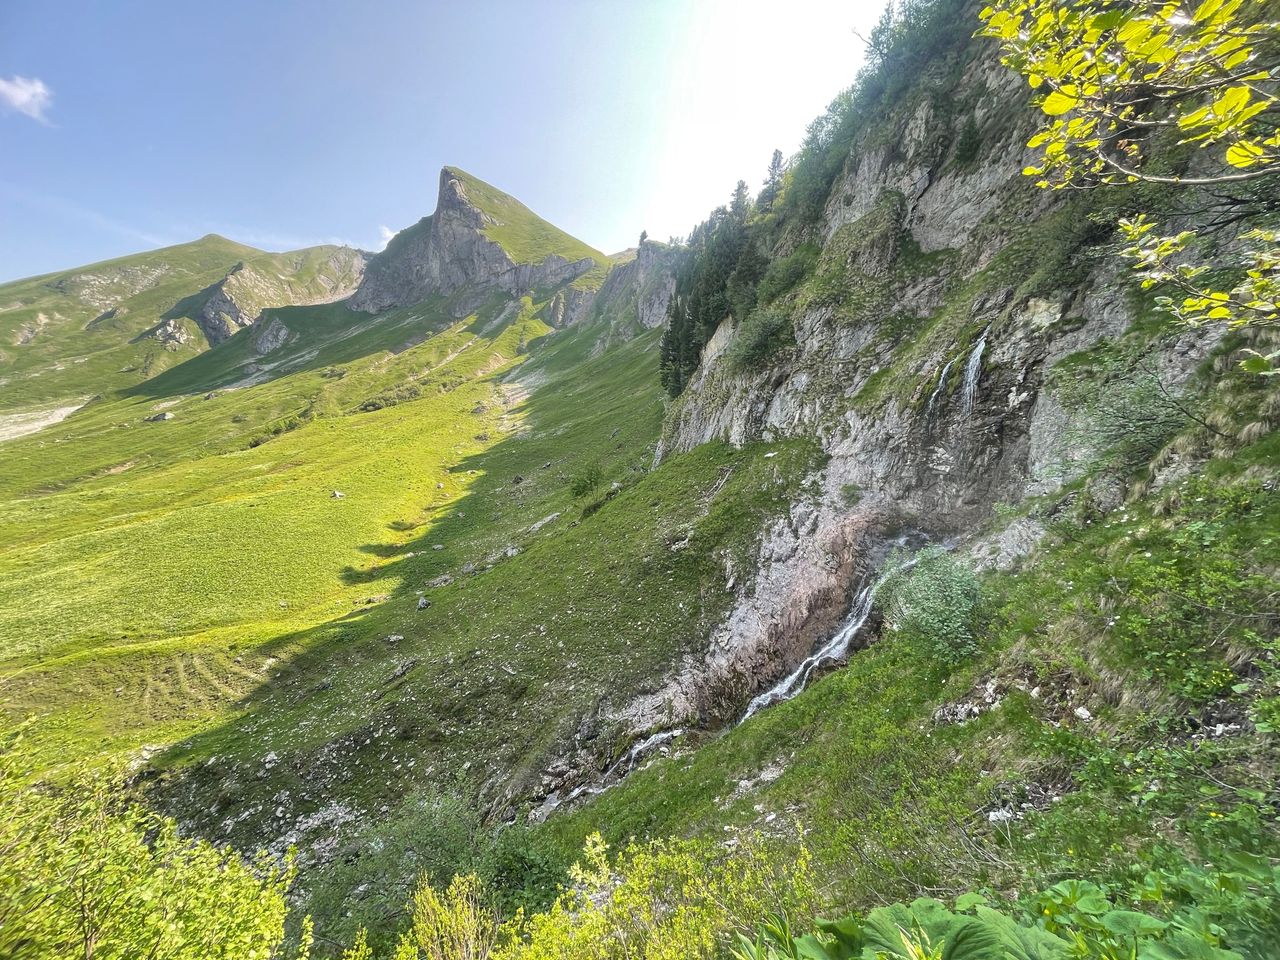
x,y
936,604
759,337
1122,413
87,871
587,480
458,925
432,837
782,275
1073,919
665,900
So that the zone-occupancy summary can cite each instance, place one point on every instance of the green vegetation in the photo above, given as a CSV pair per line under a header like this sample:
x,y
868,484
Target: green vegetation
x,y
89,872
1207,85
392,588
72,335
525,236
936,603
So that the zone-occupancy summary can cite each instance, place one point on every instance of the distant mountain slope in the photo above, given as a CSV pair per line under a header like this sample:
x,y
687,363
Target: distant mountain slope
x,y
111,324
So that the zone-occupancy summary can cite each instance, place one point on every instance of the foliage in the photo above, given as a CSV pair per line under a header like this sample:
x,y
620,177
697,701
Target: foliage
x,y
702,298
456,925
759,336
936,602
86,871
587,480
1121,411
785,272
665,900
433,836
1158,260
1126,81
1073,920
1115,71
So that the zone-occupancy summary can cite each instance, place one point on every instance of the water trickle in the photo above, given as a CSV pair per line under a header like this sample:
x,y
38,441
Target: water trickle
x,y
617,770
933,397
972,373
835,649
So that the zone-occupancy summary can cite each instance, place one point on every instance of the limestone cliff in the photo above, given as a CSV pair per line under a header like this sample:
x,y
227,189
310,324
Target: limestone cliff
x,y
451,254
946,292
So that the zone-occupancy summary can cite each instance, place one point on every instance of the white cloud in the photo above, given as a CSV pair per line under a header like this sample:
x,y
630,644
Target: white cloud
x,y
385,234
26,95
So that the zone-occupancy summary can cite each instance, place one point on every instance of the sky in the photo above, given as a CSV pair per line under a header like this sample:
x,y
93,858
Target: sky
x,y
130,125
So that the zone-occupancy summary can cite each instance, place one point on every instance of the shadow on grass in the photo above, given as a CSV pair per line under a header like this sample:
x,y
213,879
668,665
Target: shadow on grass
x,y
397,690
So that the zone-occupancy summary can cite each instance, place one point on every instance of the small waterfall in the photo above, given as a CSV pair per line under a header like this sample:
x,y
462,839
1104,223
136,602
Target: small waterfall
x,y
835,649
614,774
933,397
972,373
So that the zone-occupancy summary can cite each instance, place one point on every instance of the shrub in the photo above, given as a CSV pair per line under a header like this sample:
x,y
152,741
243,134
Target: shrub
x,y
86,871
587,480
759,337
1073,919
1121,411
665,900
936,604
433,836
458,925
785,273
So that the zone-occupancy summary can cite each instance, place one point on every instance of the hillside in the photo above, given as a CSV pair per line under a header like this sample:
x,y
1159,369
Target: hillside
x,y
106,326
885,548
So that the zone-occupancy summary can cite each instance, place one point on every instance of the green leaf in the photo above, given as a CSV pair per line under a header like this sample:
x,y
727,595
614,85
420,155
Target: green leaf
x,y
1131,923
1243,154
1058,103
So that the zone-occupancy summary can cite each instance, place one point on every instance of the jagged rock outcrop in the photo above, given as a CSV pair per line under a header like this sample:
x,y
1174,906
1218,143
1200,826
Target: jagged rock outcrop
x,y
448,254
306,277
640,287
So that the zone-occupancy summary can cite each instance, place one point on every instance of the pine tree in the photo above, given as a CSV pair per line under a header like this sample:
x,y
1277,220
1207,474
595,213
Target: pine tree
x,y
772,182
740,205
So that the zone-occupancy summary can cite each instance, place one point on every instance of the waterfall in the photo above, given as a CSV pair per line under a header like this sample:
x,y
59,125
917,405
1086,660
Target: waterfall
x,y
933,397
837,648
617,770
972,372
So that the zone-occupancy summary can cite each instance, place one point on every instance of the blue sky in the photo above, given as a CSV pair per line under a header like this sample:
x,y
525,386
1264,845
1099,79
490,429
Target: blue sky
x,y
129,125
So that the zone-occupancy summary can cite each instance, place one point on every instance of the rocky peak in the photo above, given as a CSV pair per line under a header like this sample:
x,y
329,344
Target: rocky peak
x,y
478,241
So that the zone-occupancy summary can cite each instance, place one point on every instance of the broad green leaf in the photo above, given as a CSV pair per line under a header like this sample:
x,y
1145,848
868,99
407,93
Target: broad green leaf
x,y
1058,103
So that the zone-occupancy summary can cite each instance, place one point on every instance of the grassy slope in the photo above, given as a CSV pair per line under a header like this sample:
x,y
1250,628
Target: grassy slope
x,y
67,354
525,236
160,579
56,341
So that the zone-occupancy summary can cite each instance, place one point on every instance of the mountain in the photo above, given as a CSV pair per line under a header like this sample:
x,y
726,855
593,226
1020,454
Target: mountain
x,y
111,324
882,537
477,241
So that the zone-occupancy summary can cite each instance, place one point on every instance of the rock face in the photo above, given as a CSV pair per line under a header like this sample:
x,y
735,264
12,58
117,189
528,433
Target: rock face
x,y
317,275
451,257
641,287
953,297
924,367
448,254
